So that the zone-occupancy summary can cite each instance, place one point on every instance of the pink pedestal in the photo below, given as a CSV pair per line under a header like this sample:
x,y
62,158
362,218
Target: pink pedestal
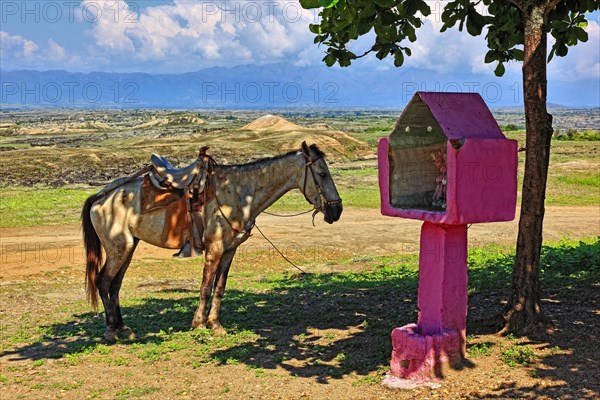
x,y
439,337
480,175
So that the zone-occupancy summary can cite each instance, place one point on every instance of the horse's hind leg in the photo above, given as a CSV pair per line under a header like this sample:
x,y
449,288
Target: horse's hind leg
x,y
118,253
123,331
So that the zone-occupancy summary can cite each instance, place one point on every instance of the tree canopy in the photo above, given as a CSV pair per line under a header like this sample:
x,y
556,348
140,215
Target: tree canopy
x,y
395,24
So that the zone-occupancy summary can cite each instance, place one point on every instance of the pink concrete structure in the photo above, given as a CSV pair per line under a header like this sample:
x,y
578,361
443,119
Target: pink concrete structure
x,y
447,163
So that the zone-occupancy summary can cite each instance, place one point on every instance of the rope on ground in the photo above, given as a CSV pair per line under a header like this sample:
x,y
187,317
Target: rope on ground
x,y
280,253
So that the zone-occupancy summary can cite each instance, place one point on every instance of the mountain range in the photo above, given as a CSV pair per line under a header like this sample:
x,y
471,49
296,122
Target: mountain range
x,y
272,86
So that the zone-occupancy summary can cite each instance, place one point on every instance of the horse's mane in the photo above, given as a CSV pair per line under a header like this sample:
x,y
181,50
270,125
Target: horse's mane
x,y
266,160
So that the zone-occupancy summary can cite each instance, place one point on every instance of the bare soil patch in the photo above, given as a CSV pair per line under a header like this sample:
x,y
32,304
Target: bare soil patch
x,y
360,232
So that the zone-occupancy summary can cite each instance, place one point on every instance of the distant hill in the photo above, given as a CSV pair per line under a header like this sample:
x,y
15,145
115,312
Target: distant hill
x,y
272,86
271,123
281,135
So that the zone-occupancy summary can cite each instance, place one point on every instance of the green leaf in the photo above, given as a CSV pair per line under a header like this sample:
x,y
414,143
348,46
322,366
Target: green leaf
x,y
561,49
381,54
475,23
490,56
581,34
385,3
582,24
328,3
410,33
423,8
398,59
344,62
314,28
329,60
308,4
518,54
499,71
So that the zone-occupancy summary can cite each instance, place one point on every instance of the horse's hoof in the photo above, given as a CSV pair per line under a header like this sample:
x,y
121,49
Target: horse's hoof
x,y
126,333
110,336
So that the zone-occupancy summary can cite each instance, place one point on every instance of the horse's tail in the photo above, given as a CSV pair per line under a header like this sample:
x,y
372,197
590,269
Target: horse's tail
x,y
93,251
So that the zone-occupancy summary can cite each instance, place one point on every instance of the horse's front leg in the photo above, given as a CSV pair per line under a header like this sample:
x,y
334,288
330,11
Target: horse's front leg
x,y
220,282
212,258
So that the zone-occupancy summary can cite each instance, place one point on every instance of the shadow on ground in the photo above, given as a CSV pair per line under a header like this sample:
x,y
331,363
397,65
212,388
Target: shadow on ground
x,y
304,323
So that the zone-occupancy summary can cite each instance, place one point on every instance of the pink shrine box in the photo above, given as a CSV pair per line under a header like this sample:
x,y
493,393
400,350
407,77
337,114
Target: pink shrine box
x,y
447,161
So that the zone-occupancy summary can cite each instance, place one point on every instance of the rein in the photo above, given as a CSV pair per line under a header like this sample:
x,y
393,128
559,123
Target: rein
x,y
288,215
324,201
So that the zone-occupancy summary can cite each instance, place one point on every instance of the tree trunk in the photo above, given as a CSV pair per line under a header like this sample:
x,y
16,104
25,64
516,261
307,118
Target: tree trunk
x,y
524,314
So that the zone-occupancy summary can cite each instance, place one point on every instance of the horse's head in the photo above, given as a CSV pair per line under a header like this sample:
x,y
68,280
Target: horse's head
x,y
318,186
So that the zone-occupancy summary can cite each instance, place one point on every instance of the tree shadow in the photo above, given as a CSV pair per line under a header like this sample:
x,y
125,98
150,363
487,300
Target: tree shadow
x,y
570,277
571,358
302,324
325,326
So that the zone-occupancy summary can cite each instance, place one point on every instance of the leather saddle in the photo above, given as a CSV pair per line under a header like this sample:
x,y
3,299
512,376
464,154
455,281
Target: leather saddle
x,y
193,180
167,176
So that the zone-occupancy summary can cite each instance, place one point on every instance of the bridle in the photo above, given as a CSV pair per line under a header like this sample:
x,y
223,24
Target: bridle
x,y
324,201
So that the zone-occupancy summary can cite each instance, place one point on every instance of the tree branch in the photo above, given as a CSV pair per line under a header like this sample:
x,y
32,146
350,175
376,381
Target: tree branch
x,y
521,4
547,7
365,53
551,5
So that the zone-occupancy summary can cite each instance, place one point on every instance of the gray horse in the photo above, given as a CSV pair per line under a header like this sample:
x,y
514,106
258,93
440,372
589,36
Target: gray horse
x,y
113,221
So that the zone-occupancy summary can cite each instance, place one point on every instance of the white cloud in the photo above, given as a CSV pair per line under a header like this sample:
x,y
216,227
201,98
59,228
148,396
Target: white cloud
x,y
454,52
18,52
445,52
201,34
55,51
190,35
16,48
582,61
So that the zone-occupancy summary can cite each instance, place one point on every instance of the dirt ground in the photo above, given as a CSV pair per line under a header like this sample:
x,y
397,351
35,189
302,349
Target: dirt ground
x,y
570,372
363,232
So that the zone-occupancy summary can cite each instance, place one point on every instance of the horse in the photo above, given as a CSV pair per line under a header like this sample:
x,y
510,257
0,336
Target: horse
x,y
112,220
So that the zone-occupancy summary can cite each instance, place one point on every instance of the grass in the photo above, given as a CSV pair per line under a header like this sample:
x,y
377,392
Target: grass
x,y
592,181
272,318
135,392
480,349
518,355
40,206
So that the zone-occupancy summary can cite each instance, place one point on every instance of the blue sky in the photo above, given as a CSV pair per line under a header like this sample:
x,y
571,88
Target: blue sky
x,y
174,36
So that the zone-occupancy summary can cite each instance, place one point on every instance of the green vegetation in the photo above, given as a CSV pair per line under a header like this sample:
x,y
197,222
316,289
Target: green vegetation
x,y
480,349
581,180
510,127
518,355
40,206
135,392
574,134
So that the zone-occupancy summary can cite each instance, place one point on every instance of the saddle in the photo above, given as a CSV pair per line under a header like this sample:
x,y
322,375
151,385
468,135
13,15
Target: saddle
x,y
183,192
167,176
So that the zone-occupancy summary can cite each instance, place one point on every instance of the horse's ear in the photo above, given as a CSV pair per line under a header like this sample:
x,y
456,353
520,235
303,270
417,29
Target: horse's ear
x,y
305,149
